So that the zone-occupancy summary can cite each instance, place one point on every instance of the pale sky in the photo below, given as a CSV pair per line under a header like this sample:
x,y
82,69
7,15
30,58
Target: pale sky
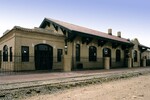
x,y
131,17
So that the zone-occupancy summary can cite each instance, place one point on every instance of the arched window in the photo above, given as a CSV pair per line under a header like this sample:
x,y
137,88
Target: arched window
x,y
77,52
135,56
118,56
92,53
106,52
5,53
126,54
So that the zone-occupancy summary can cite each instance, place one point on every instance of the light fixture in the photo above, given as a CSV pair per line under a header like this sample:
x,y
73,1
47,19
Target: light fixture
x,y
66,49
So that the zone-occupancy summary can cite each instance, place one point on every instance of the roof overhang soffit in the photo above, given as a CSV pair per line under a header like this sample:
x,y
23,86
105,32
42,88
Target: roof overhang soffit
x,y
143,48
87,38
48,22
126,46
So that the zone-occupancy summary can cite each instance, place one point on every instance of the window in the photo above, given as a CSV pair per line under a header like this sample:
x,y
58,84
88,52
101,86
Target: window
x,y
25,53
126,54
106,52
118,56
5,53
78,52
92,53
59,54
135,56
10,49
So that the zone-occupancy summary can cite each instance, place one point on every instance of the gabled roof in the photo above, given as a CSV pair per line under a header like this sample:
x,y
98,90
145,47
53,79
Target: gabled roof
x,y
141,46
81,29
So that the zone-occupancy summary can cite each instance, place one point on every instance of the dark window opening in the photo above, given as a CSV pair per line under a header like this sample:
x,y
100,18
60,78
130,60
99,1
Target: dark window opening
x,y
126,54
106,52
5,53
118,56
10,49
25,53
92,53
78,52
59,55
135,56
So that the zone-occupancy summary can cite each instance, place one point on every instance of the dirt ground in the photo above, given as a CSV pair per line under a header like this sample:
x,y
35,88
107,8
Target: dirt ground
x,y
137,88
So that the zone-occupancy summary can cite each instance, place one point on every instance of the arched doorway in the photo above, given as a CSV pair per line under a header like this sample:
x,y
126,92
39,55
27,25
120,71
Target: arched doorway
x,y
107,53
43,57
126,56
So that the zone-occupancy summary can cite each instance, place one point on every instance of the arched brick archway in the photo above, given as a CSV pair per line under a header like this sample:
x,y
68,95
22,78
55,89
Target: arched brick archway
x,y
43,57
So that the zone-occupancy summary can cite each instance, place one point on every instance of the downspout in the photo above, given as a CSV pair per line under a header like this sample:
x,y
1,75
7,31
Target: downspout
x,y
72,55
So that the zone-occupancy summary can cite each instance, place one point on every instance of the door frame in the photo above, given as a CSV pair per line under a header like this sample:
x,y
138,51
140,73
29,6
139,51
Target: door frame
x,y
43,57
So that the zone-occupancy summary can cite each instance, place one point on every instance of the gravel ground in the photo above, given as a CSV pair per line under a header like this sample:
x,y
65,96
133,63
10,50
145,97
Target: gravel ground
x,y
137,88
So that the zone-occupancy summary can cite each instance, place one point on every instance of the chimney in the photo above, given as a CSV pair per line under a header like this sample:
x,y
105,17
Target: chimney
x,y
109,31
119,34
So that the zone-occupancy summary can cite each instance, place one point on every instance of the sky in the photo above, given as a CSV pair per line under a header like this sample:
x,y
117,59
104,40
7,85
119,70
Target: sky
x,y
131,17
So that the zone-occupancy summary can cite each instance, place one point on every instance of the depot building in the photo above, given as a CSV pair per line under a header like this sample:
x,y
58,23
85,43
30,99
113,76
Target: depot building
x,y
58,45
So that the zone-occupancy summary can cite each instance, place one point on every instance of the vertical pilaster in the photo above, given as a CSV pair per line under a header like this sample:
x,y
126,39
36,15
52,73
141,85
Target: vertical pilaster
x,y
107,62
129,63
67,62
144,62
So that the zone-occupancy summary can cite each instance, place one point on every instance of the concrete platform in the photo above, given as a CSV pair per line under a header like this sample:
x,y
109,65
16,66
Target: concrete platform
x,y
46,82
45,75
53,76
